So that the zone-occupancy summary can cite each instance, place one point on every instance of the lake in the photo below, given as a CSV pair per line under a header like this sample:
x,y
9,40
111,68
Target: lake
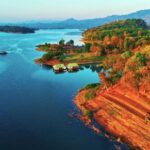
x,y
35,102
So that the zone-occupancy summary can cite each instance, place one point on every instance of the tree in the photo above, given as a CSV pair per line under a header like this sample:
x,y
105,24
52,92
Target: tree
x,y
87,47
62,42
126,54
120,43
114,40
106,40
126,44
71,42
141,58
47,56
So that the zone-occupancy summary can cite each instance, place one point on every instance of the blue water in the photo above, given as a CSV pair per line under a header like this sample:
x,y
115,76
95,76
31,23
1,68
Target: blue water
x,y
35,102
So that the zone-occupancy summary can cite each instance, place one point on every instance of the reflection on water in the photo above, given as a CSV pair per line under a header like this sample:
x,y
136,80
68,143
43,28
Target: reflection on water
x,y
93,67
74,33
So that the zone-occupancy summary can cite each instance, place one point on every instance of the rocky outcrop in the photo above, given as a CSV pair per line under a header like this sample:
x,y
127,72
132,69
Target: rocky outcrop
x,y
122,113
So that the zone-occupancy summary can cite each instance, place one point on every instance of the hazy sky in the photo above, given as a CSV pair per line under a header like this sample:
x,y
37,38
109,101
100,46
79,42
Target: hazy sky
x,y
61,9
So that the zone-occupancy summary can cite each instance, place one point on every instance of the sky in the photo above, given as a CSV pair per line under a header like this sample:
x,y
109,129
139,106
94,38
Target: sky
x,y
19,10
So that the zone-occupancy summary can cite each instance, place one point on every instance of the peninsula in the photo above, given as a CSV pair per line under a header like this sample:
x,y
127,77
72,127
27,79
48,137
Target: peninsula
x,y
120,103
67,52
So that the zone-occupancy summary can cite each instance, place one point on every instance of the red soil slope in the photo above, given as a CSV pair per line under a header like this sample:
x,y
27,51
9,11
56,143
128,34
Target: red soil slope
x,y
122,113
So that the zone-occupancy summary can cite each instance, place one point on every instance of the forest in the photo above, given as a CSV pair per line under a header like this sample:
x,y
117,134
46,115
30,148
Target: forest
x,y
125,45
118,36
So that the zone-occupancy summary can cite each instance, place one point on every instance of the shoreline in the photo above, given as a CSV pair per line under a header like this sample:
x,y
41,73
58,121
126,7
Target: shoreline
x,y
55,61
117,120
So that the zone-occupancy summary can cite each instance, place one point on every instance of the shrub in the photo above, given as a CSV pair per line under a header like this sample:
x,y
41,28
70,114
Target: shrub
x,y
61,57
90,95
62,42
87,47
126,54
47,56
45,48
118,74
91,86
141,58
87,113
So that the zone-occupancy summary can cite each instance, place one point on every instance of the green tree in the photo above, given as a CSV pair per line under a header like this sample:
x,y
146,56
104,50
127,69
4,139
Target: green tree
x,y
126,54
141,58
47,56
62,42
87,47
71,42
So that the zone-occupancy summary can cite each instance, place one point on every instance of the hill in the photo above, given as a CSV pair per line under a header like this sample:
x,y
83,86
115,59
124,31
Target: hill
x,y
84,24
121,42
118,36
121,102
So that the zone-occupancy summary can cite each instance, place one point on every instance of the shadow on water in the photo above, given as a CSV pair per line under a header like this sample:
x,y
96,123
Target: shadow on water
x,y
92,67
46,67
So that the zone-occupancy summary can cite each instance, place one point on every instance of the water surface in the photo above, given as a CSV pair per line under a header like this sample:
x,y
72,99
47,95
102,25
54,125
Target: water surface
x,y
35,102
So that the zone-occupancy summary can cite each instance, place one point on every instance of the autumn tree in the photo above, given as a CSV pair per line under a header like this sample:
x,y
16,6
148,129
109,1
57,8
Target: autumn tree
x,y
103,80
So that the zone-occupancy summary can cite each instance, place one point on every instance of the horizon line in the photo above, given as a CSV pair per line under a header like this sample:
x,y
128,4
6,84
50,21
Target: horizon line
x,y
63,19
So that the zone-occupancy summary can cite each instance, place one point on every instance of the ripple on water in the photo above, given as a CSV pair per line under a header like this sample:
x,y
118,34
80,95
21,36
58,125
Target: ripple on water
x,y
3,67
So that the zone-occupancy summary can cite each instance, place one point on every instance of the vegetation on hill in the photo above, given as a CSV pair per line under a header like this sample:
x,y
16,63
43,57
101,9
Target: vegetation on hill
x,y
67,52
127,54
136,73
16,29
124,89
118,36
117,45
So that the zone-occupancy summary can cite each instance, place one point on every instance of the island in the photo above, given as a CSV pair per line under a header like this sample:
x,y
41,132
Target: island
x,y
16,29
120,102
3,53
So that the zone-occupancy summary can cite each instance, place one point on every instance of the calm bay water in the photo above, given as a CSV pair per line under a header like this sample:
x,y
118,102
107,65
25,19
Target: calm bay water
x,y
35,102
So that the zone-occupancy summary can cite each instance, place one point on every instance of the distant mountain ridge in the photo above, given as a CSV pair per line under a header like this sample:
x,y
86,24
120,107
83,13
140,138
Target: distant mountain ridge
x,y
87,23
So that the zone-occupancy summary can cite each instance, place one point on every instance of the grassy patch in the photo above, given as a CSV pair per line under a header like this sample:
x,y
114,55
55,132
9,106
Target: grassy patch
x,y
91,91
49,55
84,57
89,95
91,86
